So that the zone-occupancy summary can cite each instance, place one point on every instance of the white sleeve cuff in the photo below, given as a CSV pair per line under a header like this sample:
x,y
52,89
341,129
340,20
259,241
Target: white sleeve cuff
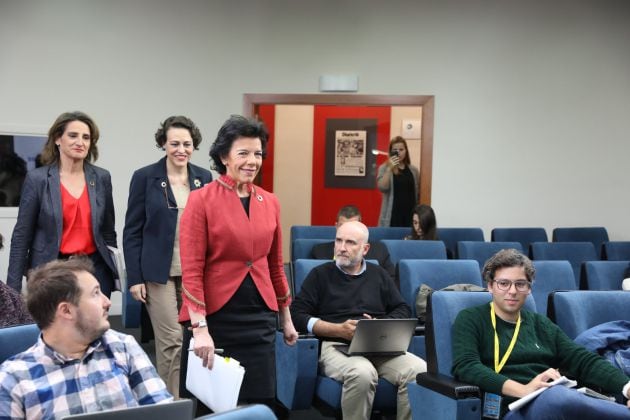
x,y
311,323
626,387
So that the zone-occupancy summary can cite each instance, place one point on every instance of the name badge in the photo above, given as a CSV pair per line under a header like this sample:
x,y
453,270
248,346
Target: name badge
x,y
491,406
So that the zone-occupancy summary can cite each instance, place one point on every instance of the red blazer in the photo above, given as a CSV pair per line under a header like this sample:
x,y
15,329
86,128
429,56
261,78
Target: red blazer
x,y
219,245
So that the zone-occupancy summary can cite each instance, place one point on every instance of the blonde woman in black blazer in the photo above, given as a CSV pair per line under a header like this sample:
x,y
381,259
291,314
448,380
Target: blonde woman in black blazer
x,y
157,196
40,233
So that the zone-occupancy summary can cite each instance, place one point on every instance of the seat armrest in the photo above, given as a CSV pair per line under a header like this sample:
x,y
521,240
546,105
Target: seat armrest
x,y
296,372
447,386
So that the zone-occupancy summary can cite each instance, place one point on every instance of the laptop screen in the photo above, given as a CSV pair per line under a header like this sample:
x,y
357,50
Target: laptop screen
x,y
176,410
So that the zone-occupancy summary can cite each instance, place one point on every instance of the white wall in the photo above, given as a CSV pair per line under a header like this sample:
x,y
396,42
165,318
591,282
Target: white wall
x,y
531,117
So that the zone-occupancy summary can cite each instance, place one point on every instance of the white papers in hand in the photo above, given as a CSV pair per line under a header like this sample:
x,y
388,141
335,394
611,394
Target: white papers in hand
x,y
217,388
563,380
121,270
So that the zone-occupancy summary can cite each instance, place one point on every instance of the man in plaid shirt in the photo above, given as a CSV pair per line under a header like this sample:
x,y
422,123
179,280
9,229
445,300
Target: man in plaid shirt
x,y
78,365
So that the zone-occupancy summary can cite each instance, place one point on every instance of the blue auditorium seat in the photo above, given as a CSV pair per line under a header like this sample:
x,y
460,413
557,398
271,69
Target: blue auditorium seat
x,y
378,233
248,412
550,277
301,248
574,252
450,237
437,395
616,251
577,311
297,376
524,235
14,340
436,274
424,250
482,251
603,275
596,235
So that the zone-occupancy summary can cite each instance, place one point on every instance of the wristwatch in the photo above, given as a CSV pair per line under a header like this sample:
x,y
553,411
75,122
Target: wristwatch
x,y
199,324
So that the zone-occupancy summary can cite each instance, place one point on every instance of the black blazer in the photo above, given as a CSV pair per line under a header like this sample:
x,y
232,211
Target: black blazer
x,y
150,224
377,251
37,234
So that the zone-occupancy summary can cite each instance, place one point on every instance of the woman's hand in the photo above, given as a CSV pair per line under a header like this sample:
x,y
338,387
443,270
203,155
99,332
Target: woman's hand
x,y
288,330
204,346
393,161
139,292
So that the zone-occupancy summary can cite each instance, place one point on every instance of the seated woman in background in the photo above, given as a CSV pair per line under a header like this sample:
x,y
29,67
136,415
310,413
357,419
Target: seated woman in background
x,y
12,308
423,224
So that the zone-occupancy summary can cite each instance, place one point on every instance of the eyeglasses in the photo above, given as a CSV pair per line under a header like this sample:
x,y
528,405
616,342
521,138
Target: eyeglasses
x,y
520,285
168,203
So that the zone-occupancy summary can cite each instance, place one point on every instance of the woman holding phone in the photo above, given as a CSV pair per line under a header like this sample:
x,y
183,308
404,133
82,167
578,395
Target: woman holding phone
x,y
398,180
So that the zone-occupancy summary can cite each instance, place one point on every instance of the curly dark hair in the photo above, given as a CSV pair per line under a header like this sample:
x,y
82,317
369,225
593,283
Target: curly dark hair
x,y
178,121
508,258
234,128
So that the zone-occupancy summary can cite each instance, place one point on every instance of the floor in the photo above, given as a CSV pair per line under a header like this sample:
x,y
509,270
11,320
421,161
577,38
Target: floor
x,y
149,348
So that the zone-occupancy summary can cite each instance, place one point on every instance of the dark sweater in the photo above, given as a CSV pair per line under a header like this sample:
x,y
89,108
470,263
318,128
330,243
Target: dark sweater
x,y
333,296
541,345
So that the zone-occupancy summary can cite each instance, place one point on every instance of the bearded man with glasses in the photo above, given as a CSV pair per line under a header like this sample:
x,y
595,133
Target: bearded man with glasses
x,y
510,352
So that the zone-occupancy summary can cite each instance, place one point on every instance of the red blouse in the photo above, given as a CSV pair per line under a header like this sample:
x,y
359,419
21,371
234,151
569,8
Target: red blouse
x,y
77,236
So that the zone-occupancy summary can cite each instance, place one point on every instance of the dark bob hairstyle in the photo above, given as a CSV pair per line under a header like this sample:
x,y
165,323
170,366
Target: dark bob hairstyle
x,y
234,128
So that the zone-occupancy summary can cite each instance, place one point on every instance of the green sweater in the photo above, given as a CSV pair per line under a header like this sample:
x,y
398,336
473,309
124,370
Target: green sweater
x,y
541,345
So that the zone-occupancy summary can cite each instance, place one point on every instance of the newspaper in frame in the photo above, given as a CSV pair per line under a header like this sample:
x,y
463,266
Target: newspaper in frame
x,y
350,152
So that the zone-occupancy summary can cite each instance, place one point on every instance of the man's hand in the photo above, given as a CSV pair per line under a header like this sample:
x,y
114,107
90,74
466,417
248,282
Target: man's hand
x,y
518,390
347,328
542,380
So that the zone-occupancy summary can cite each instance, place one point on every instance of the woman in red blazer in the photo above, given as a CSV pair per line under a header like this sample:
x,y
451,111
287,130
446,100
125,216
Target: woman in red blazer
x,y
233,280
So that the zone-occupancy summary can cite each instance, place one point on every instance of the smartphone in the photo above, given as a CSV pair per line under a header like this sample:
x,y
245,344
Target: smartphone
x,y
393,153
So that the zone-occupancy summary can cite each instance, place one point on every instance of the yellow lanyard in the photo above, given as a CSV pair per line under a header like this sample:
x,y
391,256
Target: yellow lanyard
x,y
498,366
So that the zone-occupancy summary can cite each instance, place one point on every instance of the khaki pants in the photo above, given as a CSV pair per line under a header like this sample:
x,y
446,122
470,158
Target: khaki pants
x,y
163,304
360,376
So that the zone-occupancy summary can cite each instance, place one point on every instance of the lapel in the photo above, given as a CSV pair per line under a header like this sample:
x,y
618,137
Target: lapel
x,y
160,181
194,180
90,180
54,194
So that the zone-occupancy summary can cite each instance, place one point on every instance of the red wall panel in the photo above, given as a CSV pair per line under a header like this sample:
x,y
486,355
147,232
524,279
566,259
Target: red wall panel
x,y
267,113
327,201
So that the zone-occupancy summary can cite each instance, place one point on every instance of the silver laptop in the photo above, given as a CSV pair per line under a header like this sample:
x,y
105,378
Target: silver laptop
x,y
176,410
380,337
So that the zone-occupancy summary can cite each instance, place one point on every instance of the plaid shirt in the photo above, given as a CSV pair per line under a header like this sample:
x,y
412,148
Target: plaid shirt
x,y
114,372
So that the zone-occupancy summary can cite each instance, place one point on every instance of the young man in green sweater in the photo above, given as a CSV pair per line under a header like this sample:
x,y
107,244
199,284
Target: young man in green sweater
x,y
510,352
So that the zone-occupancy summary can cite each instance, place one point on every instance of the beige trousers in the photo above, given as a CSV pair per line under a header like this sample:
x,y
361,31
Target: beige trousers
x,y
360,376
163,304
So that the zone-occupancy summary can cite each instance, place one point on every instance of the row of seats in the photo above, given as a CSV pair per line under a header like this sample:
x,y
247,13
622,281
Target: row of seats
x,y
598,236
438,274
437,396
576,253
301,381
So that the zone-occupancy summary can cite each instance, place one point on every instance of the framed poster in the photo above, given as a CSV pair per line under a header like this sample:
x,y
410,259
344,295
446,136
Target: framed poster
x,y
348,161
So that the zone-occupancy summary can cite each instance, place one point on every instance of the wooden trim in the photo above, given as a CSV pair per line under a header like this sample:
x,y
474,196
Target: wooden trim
x,y
427,102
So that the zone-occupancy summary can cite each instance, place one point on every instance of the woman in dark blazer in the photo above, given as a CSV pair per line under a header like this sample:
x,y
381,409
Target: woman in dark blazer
x,y
234,285
157,197
66,206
